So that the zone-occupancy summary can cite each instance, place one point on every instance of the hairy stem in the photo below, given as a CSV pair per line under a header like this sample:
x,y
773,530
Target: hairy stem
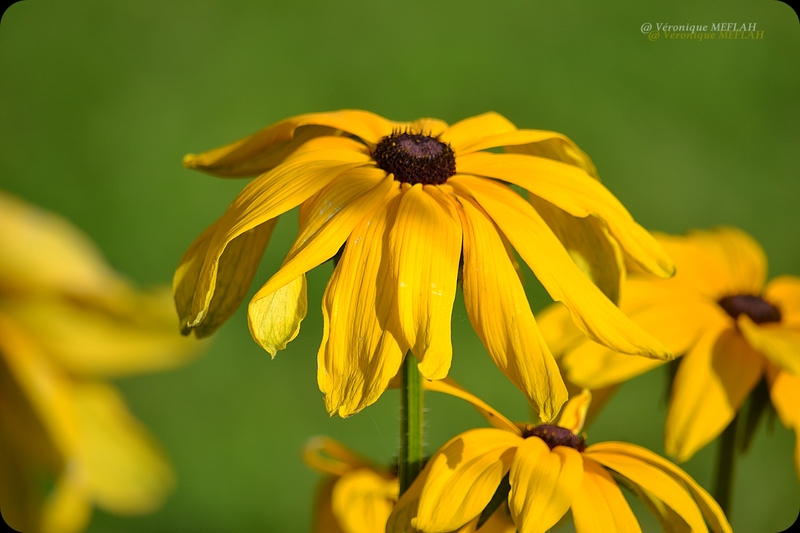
x,y
411,400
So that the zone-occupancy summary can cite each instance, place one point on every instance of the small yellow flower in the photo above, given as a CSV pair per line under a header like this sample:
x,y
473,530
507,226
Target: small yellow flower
x,y
731,329
67,321
400,204
550,471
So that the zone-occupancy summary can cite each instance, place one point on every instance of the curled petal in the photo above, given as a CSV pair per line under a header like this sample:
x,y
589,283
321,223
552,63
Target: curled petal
x,y
574,413
329,456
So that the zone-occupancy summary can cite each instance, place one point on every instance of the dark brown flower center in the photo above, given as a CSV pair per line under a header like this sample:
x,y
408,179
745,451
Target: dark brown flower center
x,y
555,436
755,307
414,158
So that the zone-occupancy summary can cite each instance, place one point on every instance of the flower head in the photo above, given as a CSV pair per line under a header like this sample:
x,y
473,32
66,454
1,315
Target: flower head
x,y
67,321
731,328
545,471
401,204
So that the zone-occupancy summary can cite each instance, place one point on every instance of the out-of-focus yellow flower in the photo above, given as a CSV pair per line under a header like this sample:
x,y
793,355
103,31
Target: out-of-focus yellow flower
x,y
400,204
733,330
67,321
547,470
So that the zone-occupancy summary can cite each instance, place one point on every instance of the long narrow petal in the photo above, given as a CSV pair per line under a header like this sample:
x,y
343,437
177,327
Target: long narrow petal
x,y
362,500
599,505
500,313
235,271
362,347
556,146
260,201
712,381
466,135
708,506
269,147
425,243
544,484
595,314
784,291
784,391
781,344
493,416
462,478
573,190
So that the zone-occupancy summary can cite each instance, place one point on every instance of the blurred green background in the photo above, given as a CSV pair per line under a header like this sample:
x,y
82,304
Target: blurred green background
x,y
100,101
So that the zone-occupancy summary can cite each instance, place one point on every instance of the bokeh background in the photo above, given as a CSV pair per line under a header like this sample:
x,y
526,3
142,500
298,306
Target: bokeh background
x,y
99,101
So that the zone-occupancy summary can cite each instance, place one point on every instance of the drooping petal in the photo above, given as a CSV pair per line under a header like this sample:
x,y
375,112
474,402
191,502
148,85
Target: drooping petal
x,y
712,381
262,200
708,506
650,478
274,319
269,147
574,413
573,190
329,456
502,318
599,505
781,344
467,135
462,478
127,471
784,291
595,314
784,391
362,501
718,262
493,416
425,243
589,244
362,347
544,483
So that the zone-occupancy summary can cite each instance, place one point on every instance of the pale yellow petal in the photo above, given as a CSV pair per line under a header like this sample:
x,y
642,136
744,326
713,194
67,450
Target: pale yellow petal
x,y
425,244
269,147
712,381
784,391
274,319
779,343
127,471
462,478
362,347
499,311
362,501
329,456
573,190
573,415
595,314
467,135
599,506
493,416
544,483
784,292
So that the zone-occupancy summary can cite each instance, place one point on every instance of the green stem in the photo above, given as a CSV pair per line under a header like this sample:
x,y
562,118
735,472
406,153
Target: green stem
x,y
726,466
411,399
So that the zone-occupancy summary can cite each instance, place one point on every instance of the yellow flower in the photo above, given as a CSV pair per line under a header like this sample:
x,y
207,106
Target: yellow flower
x,y
546,471
403,203
67,321
733,330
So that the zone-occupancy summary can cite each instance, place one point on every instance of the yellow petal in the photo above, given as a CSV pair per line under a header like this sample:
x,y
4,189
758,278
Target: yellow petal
x,y
494,417
599,506
574,413
712,381
44,252
274,319
425,244
544,483
362,501
718,262
708,506
558,330
324,520
67,508
362,347
405,511
589,245
595,314
269,147
781,344
784,391
127,471
467,135
500,313
784,292
552,146
235,270
329,456
651,478
462,478
262,200
573,190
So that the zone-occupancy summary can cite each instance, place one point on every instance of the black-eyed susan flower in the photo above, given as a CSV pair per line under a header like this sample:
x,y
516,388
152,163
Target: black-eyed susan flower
x,y
731,329
67,322
545,471
403,203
